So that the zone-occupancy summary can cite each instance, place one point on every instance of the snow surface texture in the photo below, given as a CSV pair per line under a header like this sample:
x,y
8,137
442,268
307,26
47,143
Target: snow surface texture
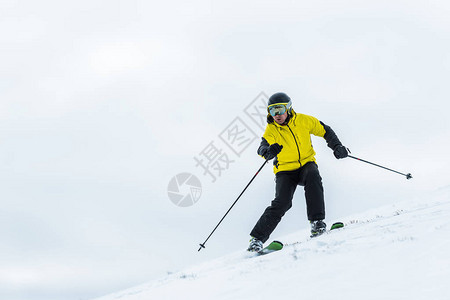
x,y
394,252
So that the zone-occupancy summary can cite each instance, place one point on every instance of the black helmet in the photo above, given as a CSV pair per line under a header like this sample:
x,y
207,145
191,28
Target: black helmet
x,y
278,98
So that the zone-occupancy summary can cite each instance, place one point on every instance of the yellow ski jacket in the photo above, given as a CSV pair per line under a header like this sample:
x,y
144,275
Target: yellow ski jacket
x,y
295,137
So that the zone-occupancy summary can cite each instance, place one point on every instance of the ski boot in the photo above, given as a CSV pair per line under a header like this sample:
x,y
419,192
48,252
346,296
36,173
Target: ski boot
x,y
255,245
318,227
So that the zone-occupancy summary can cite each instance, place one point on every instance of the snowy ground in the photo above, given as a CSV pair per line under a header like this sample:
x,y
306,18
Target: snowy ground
x,y
395,252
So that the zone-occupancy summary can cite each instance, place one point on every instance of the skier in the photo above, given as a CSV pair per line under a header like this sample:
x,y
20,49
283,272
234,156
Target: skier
x,y
287,139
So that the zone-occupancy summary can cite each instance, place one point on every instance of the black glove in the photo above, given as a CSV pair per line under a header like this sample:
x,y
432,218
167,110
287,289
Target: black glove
x,y
272,151
340,152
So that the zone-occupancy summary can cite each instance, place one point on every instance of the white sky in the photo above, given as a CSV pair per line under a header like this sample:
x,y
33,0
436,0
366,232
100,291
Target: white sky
x,y
103,102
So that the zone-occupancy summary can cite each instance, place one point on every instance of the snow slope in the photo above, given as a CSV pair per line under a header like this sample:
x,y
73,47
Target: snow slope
x,y
395,252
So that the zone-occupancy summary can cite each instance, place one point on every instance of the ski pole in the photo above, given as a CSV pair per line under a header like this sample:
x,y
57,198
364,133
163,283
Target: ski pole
x,y
203,244
408,176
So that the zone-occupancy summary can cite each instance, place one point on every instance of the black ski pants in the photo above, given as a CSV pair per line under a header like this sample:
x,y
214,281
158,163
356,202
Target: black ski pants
x,y
286,183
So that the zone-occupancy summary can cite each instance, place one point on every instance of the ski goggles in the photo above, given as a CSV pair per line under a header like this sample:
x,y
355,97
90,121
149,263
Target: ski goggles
x,y
278,108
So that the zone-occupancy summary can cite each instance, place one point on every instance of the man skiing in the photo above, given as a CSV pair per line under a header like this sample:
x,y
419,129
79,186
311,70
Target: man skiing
x,y
287,138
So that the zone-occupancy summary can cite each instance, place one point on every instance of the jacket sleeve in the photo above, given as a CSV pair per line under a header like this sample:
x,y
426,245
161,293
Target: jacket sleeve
x,y
331,137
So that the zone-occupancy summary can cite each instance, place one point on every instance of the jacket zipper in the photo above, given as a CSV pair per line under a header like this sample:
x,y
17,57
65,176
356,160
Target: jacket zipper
x,y
298,148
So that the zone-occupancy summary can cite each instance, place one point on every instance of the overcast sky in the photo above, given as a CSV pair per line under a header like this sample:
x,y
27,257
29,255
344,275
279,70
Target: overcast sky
x,y
102,103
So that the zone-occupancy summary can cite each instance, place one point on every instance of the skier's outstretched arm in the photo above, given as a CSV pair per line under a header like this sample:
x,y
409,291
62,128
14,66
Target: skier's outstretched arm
x,y
333,142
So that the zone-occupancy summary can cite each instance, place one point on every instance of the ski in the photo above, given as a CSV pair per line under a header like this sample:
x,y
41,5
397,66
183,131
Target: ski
x,y
272,247
337,225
